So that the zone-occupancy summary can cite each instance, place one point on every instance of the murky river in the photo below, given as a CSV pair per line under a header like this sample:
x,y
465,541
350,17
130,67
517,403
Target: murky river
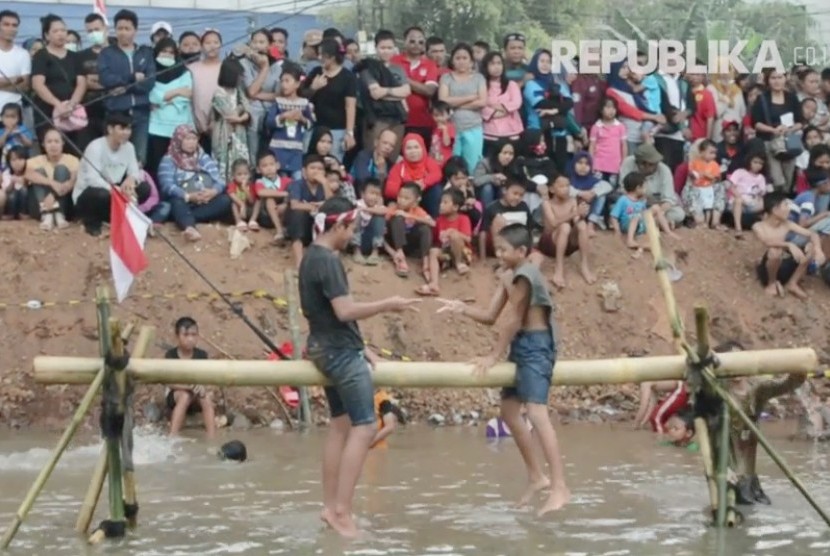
x,y
445,491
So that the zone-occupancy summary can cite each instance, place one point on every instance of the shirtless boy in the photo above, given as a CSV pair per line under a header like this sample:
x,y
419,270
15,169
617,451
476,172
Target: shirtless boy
x,y
336,348
784,262
528,332
566,230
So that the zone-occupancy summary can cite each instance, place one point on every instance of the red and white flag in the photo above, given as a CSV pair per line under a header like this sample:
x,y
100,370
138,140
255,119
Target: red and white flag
x,y
128,231
100,8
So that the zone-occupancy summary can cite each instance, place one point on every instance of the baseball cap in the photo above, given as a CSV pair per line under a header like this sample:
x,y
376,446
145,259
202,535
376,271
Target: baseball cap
x,y
161,26
312,37
726,124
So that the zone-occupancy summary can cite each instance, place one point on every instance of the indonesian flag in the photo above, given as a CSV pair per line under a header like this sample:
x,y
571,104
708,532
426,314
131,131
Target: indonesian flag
x,y
128,231
100,8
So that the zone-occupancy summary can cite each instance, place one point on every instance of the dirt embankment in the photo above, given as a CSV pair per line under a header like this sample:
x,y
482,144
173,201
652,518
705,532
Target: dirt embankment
x,y
66,267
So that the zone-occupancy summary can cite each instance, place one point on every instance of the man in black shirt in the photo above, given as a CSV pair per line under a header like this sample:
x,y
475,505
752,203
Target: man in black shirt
x,y
96,32
183,399
336,347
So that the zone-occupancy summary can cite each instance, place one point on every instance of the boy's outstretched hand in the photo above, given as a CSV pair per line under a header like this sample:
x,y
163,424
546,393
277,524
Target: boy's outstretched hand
x,y
398,304
451,305
482,364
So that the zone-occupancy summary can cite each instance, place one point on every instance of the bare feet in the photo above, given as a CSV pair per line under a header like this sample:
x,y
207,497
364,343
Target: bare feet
x,y
343,524
774,289
559,279
587,274
674,236
796,291
191,234
532,488
559,496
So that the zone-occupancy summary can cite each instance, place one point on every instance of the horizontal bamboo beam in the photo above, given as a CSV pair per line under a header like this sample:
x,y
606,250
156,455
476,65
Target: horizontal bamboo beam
x,y
81,370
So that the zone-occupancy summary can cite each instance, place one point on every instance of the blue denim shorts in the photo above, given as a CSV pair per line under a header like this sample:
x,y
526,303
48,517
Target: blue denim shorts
x,y
353,392
534,354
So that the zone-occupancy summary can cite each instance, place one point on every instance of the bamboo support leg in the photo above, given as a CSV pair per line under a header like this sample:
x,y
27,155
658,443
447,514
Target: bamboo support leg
x,y
294,325
723,462
115,483
702,433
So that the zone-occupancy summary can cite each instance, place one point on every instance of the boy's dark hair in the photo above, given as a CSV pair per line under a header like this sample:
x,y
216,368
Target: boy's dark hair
x,y
384,35
184,323
688,417
312,158
805,100
773,199
433,40
13,106
806,131
238,163
186,34
118,119
274,30
517,235
126,15
455,195
513,182
372,182
234,450
10,14
485,46
335,206
230,73
729,345
413,187
331,171
706,144
292,69
455,165
822,149
265,154
632,181
441,106
93,17
825,74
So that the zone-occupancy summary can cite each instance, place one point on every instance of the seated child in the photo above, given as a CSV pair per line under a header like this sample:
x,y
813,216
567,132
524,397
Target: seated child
x,y
13,192
747,187
409,231
589,188
509,209
245,205
336,186
305,196
185,399
371,224
452,244
810,137
729,150
680,430
565,230
457,176
784,262
627,213
805,211
13,133
705,197
443,135
273,189
389,416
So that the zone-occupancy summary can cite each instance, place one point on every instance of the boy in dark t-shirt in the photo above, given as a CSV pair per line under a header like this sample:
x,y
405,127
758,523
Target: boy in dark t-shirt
x,y
510,209
336,348
183,399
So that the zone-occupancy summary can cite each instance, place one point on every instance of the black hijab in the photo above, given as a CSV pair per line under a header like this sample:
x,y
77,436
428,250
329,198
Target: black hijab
x,y
170,73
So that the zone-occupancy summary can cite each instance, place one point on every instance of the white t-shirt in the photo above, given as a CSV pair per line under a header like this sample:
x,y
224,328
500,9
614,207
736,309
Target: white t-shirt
x,y
14,63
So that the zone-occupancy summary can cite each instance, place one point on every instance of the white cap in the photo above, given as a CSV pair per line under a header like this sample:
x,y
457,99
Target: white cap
x,y
161,26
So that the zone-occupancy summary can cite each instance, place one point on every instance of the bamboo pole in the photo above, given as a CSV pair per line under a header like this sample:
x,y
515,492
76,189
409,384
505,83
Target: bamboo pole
x,y
294,327
723,463
425,374
115,475
702,433
102,301
145,338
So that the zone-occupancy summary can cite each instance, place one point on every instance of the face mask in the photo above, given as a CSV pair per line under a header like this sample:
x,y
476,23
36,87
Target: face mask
x,y
72,46
95,38
165,62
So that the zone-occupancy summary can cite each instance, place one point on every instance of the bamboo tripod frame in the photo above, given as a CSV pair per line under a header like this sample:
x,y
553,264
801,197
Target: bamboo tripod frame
x,y
720,495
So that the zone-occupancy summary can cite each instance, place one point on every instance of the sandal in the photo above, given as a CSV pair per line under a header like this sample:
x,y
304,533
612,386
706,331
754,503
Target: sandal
x,y
241,226
401,268
253,225
427,290
462,268
359,258
192,234
372,260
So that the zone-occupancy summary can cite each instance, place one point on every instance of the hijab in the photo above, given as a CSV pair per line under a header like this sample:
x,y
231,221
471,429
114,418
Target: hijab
x,y
166,74
496,166
545,80
586,182
418,169
529,144
184,161
616,82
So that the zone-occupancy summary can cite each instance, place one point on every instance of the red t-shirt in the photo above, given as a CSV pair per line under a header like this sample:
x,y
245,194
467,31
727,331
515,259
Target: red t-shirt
x,y
437,149
460,222
705,110
426,72
281,184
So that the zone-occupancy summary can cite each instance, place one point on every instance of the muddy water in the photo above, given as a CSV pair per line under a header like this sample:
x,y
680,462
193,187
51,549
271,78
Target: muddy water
x,y
445,491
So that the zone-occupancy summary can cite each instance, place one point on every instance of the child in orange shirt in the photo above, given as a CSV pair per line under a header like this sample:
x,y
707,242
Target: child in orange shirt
x,y
409,230
245,205
704,196
452,241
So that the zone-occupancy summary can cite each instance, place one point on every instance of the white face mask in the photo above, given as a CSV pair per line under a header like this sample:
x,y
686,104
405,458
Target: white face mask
x,y
72,46
165,61
96,38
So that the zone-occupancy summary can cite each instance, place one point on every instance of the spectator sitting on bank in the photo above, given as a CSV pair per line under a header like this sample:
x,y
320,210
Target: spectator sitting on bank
x,y
189,181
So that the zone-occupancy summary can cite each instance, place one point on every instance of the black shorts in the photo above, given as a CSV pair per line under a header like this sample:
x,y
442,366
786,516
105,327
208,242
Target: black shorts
x,y
785,271
194,407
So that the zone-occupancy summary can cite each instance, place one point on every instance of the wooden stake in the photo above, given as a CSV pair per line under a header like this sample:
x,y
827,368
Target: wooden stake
x,y
115,483
702,433
294,326
102,300
723,465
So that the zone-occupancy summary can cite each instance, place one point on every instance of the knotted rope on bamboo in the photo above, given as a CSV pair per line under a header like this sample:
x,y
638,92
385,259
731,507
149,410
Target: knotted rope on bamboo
x,y
112,408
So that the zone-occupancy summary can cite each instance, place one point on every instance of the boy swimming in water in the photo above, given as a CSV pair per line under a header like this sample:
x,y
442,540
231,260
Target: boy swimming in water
x,y
336,348
528,333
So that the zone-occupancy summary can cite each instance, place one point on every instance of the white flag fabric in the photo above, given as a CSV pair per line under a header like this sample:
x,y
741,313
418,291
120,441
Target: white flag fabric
x,y
128,232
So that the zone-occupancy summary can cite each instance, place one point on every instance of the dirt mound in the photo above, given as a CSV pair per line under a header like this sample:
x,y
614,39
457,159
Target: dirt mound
x,y
60,272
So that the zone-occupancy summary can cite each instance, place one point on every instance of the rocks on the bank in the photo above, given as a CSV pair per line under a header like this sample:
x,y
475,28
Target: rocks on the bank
x,y
277,424
239,422
436,419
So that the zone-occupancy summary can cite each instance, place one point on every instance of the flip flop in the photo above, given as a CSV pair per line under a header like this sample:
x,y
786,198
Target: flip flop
x,y
401,268
463,268
427,291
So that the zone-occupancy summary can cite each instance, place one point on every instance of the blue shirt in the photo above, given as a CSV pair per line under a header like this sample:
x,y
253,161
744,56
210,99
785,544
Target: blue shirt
x,y
298,190
652,93
625,210
13,140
